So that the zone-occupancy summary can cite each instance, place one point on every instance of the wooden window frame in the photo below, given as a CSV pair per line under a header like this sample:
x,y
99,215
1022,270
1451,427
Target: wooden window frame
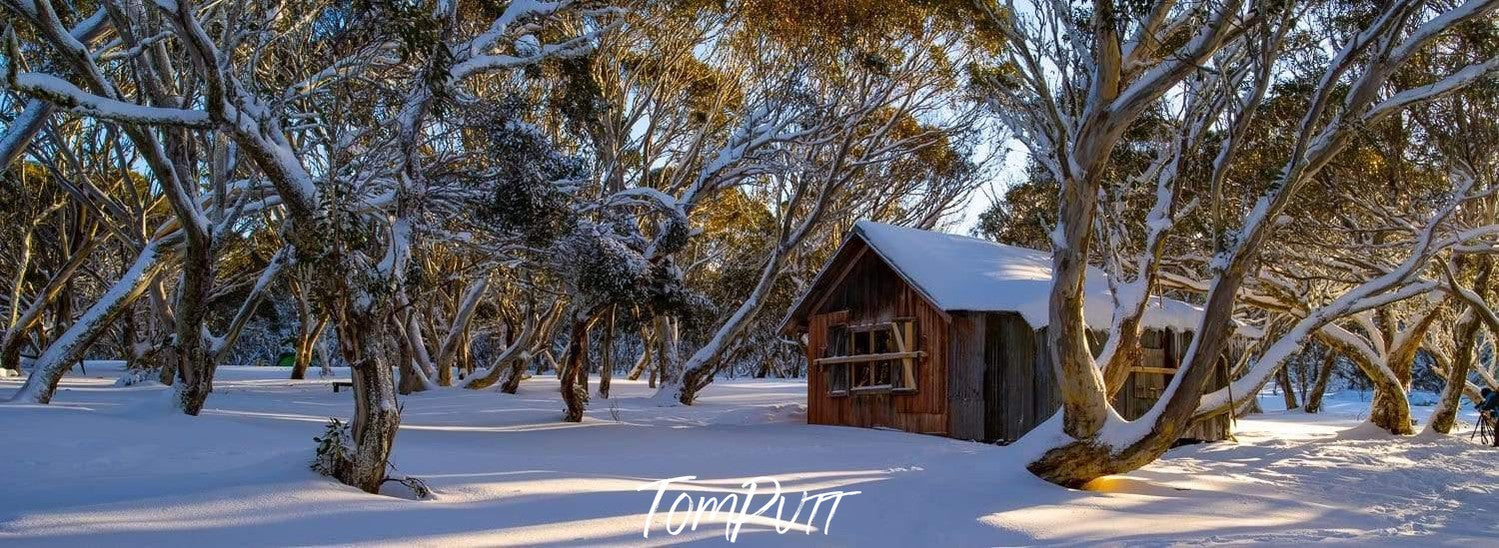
x,y
899,365
839,379
1163,343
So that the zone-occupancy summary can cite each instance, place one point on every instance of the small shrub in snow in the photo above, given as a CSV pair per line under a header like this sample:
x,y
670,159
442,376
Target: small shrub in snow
x,y
335,450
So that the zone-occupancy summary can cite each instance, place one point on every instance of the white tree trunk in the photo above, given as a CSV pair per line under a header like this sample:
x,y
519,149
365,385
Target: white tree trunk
x,y
71,345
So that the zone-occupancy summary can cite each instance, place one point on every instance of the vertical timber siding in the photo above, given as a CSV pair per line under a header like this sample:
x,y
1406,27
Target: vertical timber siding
x,y
965,384
1132,404
871,292
1048,393
1019,386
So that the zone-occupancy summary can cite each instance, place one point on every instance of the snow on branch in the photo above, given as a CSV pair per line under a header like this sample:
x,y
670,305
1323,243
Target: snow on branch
x,y
646,196
471,58
1439,24
1452,83
1159,79
515,12
68,96
1386,288
574,47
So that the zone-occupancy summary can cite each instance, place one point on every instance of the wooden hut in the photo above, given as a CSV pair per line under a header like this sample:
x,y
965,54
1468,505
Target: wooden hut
x,y
941,334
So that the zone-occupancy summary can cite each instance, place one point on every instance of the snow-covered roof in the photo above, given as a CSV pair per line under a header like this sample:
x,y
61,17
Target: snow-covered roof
x,y
969,274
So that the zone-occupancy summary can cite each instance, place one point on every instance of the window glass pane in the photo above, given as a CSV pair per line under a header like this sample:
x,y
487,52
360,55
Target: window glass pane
x,y
837,341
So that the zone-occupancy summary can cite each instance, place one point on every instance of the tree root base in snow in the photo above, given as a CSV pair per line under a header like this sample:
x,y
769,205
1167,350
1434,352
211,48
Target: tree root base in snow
x,y
1075,464
1079,462
413,486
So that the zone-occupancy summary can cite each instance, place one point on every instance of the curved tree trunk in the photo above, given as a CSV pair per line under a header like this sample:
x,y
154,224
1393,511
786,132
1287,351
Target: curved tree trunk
x,y
1391,410
10,349
377,416
512,359
572,369
415,343
529,344
164,359
453,345
668,366
606,365
194,360
22,322
512,380
164,318
1319,389
304,320
698,372
407,380
307,339
465,356
1088,457
643,363
444,369
1444,417
1288,392
487,378
664,346
68,348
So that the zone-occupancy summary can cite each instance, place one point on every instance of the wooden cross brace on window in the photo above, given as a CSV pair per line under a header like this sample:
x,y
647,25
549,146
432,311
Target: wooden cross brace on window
x,y
902,333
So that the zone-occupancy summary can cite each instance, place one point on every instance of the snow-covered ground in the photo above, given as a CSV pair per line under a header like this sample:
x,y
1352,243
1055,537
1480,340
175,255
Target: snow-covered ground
x,y
105,465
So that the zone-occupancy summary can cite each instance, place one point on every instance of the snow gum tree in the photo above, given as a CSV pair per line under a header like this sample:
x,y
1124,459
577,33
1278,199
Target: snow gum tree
x,y
1072,85
168,156
1464,345
862,135
345,169
446,193
803,116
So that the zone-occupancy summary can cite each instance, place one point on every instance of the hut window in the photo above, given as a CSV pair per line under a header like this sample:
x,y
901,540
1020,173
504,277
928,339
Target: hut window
x,y
1153,346
1154,370
837,377
839,342
878,357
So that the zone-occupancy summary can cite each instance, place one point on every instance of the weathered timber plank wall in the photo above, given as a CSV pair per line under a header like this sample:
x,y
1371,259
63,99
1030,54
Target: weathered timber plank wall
x,y
871,292
965,385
